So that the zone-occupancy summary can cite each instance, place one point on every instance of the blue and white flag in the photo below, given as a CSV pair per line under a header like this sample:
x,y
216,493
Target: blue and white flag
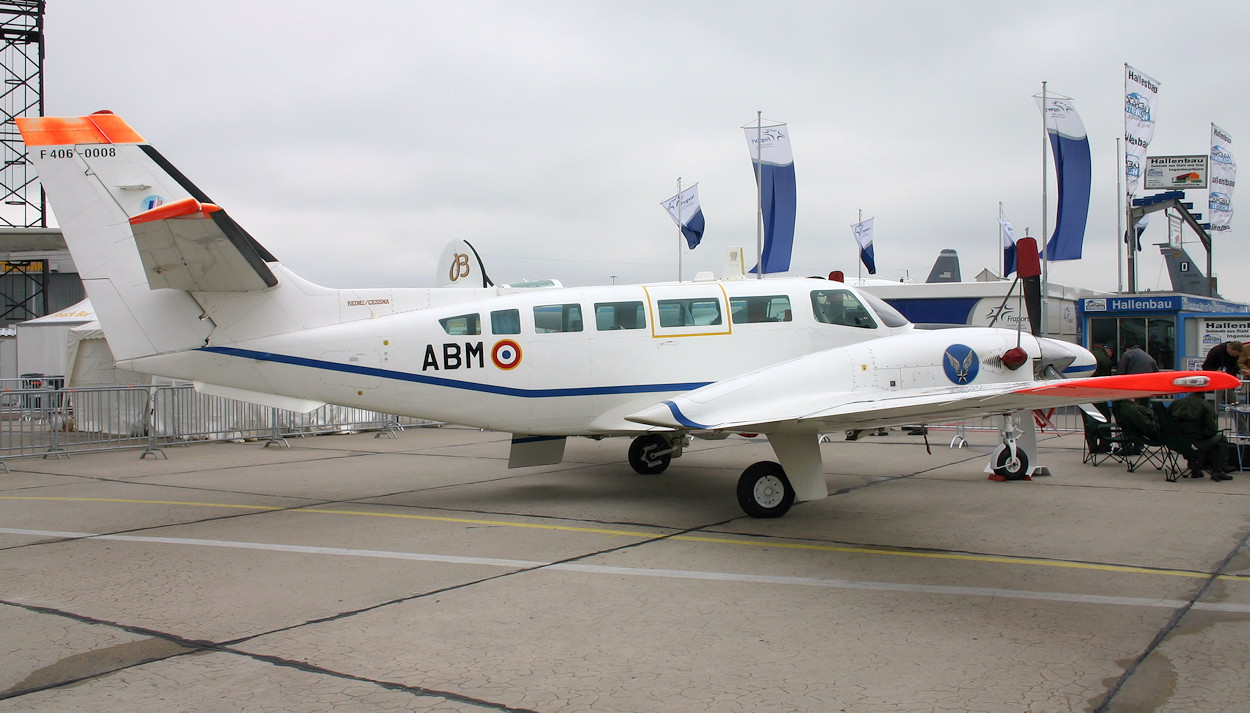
x,y
1009,246
863,236
1223,179
686,212
1137,233
1074,172
1141,93
773,164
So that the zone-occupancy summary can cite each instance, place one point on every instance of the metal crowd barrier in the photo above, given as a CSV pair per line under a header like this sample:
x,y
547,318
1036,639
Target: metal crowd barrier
x,y
48,420
54,421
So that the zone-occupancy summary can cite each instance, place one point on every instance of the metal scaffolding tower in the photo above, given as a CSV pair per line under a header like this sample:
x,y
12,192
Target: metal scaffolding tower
x,y
23,282
21,63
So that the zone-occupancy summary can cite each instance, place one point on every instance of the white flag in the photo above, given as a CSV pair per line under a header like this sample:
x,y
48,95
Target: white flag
x,y
1140,96
686,212
1223,179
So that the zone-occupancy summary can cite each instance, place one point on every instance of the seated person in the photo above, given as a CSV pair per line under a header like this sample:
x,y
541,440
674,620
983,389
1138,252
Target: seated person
x,y
1196,418
1135,416
1098,434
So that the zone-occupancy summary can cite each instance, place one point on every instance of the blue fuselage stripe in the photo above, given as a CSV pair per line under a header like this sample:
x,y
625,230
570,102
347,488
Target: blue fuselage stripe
x,y
452,383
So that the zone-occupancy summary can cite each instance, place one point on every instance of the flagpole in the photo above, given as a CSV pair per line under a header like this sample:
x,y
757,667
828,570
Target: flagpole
x,y
1002,252
759,195
859,264
1119,220
1045,201
679,236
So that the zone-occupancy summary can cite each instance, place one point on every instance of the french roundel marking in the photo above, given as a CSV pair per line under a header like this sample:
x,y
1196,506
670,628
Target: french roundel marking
x,y
506,354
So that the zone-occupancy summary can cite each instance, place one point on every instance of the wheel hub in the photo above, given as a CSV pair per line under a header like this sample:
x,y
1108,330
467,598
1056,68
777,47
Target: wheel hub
x,y
769,491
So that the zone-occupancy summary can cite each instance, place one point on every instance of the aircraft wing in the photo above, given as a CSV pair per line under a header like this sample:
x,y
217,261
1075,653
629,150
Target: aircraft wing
x,y
194,246
764,405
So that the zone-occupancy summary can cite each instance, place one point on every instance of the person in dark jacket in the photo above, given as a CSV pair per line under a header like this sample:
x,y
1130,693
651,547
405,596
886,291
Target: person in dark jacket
x,y
1135,360
1196,418
1102,360
1223,357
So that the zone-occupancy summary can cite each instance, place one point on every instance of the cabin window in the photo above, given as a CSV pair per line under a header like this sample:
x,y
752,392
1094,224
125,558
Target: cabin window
x,y
841,307
505,321
462,324
549,319
771,308
619,315
698,311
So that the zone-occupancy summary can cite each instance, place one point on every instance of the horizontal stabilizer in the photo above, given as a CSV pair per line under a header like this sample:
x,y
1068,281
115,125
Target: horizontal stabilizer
x,y
189,245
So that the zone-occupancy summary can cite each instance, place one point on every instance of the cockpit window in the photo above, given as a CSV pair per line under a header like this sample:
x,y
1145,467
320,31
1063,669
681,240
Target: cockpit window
x,y
841,307
462,324
889,315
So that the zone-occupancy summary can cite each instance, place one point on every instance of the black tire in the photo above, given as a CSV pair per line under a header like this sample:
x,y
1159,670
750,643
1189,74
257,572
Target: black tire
x,y
1011,468
642,456
764,490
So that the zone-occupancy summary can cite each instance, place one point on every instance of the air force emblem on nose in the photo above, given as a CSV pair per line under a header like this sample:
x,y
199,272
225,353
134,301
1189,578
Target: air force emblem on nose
x,y
960,364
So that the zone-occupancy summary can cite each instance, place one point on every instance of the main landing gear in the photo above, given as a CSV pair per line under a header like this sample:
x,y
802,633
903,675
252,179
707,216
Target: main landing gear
x,y
764,490
651,454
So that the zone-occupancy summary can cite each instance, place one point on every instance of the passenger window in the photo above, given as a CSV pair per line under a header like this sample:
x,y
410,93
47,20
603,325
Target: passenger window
x,y
699,311
842,308
549,319
462,324
747,310
619,315
505,321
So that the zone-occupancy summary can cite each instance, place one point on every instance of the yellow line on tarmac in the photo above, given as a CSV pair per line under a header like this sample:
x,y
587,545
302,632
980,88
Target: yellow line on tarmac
x,y
952,556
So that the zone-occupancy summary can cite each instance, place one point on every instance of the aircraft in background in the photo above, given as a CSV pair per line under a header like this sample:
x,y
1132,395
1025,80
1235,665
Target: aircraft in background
x,y
182,291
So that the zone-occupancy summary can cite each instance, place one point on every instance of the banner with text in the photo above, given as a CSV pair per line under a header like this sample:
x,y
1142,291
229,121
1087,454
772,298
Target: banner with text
x,y
1223,179
1074,172
686,212
773,163
1141,93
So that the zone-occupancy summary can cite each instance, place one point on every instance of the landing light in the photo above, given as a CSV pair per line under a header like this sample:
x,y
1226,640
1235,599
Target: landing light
x,y
1191,381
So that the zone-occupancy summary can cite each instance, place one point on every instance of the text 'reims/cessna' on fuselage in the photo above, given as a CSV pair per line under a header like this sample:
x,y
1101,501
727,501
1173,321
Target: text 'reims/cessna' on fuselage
x,y
182,291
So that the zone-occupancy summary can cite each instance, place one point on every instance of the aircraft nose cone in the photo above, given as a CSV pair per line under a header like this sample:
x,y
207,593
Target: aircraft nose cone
x,y
1066,358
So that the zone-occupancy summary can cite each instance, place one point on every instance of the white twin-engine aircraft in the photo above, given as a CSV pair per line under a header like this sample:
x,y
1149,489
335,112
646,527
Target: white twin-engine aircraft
x,y
183,291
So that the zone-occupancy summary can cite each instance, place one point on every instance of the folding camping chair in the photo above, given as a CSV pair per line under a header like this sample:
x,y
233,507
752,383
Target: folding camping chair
x,y
1179,444
1143,442
1103,441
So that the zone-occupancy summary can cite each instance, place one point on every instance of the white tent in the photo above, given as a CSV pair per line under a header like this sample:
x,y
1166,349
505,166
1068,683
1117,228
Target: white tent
x,y
90,361
41,342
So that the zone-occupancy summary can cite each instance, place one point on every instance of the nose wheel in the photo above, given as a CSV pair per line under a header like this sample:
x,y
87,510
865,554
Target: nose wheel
x,y
765,491
1011,463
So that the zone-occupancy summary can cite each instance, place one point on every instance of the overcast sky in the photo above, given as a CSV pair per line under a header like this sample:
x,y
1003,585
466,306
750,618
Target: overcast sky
x,y
355,139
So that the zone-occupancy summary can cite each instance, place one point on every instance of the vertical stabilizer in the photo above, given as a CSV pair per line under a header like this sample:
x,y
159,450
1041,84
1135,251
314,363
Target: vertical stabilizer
x,y
1186,278
115,196
945,268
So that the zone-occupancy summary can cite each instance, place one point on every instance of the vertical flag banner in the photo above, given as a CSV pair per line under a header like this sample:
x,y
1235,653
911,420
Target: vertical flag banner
x,y
1009,246
773,163
863,236
1140,96
1223,179
686,212
1074,172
